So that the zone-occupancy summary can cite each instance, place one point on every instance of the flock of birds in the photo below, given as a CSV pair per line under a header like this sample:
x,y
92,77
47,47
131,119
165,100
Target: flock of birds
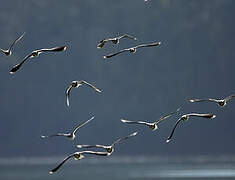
x,y
109,149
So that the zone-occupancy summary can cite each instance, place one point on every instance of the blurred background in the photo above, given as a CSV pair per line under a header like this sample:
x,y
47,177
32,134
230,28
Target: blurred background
x,y
195,60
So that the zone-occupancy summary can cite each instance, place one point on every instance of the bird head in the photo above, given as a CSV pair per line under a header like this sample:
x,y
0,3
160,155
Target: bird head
x,y
71,136
222,103
153,126
132,50
184,117
8,53
78,156
115,41
34,54
75,84
110,149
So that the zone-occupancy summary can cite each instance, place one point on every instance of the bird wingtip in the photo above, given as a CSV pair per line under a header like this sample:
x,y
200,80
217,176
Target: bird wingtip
x,y
51,172
168,140
105,57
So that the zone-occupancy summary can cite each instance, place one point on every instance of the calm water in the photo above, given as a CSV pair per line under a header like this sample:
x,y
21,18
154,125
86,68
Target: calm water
x,y
115,168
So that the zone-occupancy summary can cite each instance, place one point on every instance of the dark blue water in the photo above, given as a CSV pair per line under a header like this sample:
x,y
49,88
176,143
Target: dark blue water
x,y
115,168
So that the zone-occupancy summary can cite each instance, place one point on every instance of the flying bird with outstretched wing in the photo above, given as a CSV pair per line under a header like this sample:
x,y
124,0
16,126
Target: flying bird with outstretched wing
x,y
76,84
35,54
8,52
77,156
152,125
114,40
185,118
133,49
220,102
71,135
108,148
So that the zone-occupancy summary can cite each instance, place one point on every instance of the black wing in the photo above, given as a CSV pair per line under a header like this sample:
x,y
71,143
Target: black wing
x,y
202,100
55,49
95,153
57,167
68,94
202,115
17,66
135,122
114,54
148,45
91,146
101,43
173,130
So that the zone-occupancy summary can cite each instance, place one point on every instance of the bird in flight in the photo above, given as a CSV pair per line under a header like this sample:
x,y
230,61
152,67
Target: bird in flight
x,y
114,40
151,125
71,135
133,49
77,156
35,54
108,148
8,52
76,84
220,102
185,118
